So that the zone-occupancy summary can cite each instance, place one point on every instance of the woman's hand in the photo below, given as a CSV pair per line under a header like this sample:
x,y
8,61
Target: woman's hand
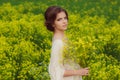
x,y
82,72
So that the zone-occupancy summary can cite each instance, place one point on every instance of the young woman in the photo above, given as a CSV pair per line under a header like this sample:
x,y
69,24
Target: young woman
x,y
56,20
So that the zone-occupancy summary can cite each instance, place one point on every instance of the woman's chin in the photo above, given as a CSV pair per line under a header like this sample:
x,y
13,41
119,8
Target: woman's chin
x,y
65,28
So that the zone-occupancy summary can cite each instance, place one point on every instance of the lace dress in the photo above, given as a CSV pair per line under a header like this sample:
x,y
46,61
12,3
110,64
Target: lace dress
x,y
57,66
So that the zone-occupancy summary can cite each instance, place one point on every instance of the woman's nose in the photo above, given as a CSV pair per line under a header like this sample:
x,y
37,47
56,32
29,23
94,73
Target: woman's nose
x,y
64,20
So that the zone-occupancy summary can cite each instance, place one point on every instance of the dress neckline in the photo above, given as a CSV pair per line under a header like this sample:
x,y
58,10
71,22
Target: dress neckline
x,y
63,39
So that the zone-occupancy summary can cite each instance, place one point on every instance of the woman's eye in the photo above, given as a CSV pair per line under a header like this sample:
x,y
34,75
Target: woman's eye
x,y
59,19
65,18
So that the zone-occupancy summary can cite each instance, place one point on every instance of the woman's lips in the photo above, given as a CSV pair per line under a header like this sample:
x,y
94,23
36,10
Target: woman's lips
x,y
65,25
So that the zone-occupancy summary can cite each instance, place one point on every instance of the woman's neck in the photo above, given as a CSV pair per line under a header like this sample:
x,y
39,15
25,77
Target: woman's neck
x,y
58,35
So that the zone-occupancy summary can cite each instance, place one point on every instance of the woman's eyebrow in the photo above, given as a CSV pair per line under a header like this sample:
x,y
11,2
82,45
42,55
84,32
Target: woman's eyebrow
x,y
58,18
65,17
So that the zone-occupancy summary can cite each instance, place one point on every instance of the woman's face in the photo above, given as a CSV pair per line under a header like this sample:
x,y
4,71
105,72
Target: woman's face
x,y
61,22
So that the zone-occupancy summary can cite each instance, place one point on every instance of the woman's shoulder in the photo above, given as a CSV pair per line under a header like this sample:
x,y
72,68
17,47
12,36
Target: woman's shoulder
x,y
57,41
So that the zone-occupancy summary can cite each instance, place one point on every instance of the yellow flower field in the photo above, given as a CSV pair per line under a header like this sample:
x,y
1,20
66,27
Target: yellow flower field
x,y
93,32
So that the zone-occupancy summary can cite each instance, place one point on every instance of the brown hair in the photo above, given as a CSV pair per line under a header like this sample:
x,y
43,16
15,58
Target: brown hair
x,y
50,16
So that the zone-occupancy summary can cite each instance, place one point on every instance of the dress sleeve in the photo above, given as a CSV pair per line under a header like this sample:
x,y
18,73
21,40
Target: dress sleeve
x,y
56,69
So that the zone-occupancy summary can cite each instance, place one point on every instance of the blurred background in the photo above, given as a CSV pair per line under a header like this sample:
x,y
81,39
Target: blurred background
x,y
25,43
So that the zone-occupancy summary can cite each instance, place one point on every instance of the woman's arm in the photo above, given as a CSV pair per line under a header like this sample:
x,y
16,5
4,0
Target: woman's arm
x,y
80,72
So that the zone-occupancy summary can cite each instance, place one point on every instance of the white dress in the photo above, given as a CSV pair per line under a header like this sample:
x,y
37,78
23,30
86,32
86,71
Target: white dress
x,y
57,67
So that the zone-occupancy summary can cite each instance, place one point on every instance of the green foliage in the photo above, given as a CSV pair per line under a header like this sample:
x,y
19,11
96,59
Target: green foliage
x,y
93,32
